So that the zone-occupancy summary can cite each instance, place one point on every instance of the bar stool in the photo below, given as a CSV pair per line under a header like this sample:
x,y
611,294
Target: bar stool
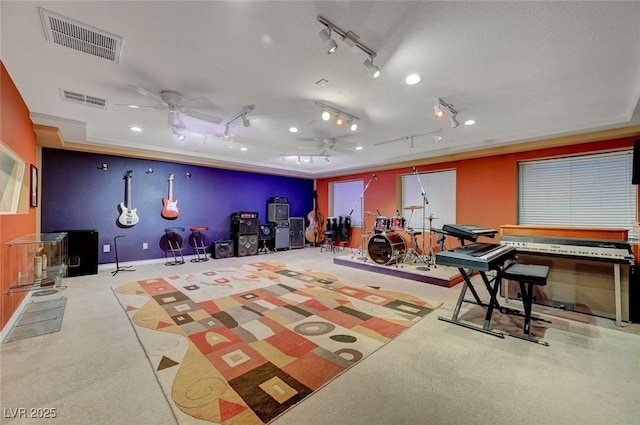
x,y
173,244
530,275
197,242
329,240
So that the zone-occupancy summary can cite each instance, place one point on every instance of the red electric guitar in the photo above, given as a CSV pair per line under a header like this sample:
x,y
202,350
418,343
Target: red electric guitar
x,y
169,206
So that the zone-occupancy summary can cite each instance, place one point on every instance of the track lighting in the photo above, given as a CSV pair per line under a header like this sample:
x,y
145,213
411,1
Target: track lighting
x,y
242,115
331,44
454,121
326,158
179,132
104,166
227,133
350,39
245,120
440,111
340,115
149,171
298,160
374,71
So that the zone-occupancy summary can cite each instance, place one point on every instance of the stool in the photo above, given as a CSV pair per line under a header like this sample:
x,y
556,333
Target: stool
x,y
530,275
329,240
198,243
173,244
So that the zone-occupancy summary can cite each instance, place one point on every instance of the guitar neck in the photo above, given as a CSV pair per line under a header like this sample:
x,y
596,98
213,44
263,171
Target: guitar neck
x,y
128,203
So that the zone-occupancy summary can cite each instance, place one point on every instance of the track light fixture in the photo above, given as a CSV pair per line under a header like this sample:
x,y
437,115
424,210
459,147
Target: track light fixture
x,y
179,132
352,40
440,111
331,44
326,158
328,111
104,166
242,115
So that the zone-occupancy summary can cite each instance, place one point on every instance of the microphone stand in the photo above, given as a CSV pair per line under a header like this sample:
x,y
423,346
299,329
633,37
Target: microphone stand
x,y
363,233
425,201
118,268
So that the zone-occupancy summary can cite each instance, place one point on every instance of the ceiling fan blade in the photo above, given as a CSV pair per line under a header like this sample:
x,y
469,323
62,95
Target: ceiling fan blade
x,y
198,102
341,150
132,106
147,93
203,117
308,147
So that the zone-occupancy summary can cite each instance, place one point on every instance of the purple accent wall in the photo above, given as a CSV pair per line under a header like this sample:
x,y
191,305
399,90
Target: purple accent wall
x,y
78,195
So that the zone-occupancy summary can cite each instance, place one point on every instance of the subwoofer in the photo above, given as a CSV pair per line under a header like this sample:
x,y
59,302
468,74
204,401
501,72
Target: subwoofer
x,y
246,245
222,249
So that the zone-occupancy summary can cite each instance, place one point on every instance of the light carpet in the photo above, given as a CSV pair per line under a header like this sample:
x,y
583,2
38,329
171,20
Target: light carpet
x,y
242,345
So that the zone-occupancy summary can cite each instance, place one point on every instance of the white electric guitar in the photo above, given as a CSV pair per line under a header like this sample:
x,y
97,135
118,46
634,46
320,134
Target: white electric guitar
x,y
170,206
128,215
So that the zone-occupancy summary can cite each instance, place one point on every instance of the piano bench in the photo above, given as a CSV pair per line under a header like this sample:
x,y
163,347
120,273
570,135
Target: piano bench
x,y
533,275
528,273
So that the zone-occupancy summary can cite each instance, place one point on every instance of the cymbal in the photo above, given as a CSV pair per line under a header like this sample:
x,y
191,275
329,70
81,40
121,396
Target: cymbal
x,y
413,207
370,212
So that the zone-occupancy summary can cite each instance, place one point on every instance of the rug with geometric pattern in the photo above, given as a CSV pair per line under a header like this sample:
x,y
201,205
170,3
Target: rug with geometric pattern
x,y
241,345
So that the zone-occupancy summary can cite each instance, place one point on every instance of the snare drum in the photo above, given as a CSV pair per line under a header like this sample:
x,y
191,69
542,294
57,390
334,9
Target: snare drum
x,y
382,223
386,249
397,223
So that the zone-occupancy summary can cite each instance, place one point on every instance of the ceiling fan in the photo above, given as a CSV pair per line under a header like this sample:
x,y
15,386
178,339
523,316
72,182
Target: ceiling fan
x,y
330,145
174,102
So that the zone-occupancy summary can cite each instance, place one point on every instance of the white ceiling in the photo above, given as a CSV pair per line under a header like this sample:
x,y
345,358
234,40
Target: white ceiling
x,y
522,70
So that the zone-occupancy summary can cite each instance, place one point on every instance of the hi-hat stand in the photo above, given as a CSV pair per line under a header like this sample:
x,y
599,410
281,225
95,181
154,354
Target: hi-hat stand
x,y
118,268
363,234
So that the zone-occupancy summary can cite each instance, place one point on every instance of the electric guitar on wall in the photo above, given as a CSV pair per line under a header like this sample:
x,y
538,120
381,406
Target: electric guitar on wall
x,y
128,216
169,206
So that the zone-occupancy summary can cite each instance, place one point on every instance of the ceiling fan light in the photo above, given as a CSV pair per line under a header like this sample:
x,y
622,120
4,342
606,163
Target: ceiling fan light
x,y
374,71
326,115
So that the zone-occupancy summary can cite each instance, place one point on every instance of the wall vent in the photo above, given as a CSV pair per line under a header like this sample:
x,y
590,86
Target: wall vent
x,y
82,37
83,99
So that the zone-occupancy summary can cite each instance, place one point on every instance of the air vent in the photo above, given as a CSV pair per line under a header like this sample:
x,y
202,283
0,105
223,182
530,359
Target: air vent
x,y
78,36
83,99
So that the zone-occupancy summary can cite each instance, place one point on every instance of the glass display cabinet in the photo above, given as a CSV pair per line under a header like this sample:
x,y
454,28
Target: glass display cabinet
x,y
36,261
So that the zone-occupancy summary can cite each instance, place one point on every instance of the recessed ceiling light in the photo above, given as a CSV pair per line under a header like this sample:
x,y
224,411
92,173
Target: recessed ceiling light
x,y
469,122
133,106
413,79
359,148
293,129
134,128
244,149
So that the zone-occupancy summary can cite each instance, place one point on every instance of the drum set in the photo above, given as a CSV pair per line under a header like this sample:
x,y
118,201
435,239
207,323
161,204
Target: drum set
x,y
392,242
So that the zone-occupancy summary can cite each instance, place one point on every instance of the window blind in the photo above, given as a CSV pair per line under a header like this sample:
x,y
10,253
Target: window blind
x,y
440,191
583,191
345,196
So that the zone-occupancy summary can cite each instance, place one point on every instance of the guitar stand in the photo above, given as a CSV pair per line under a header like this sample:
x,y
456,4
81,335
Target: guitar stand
x,y
118,268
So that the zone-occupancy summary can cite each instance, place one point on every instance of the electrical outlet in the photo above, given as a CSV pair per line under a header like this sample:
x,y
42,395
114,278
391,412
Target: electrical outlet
x,y
106,248
145,245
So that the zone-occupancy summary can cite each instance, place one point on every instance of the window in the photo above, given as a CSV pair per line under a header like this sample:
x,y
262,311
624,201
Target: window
x,y
440,191
345,197
584,191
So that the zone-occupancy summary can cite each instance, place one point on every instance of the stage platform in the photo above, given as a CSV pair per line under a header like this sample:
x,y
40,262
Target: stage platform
x,y
440,275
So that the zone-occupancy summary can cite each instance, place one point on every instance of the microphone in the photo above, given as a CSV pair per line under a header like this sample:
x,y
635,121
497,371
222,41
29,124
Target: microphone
x,y
378,211
375,177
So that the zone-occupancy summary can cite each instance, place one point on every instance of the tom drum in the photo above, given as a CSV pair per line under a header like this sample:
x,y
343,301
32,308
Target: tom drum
x,y
382,224
386,249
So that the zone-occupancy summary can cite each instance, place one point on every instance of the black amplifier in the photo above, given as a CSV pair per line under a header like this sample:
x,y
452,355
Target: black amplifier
x,y
244,214
278,200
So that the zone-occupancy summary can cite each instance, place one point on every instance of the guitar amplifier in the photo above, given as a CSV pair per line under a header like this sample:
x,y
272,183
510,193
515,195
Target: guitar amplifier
x,y
244,223
222,249
278,200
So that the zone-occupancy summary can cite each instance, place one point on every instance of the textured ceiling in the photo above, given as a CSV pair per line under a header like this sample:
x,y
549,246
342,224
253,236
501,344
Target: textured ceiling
x,y
523,70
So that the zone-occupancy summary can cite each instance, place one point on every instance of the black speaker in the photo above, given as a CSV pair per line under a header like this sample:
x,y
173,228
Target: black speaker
x,y
246,245
244,226
222,249
266,231
296,232
635,177
82,250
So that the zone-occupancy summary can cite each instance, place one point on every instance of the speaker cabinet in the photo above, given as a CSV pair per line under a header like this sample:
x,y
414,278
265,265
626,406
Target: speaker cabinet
x,y
244,223
277,212
246,245
296,232
635,177
222,249
82,249
281,235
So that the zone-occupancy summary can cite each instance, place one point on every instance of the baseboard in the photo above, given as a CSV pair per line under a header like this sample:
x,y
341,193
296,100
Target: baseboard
x,y
111,266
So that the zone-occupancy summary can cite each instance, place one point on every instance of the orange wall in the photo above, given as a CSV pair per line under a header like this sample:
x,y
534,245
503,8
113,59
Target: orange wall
x,y
486,193
16,131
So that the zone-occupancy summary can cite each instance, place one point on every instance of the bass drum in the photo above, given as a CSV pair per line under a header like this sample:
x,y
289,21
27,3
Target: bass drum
x,y
386,249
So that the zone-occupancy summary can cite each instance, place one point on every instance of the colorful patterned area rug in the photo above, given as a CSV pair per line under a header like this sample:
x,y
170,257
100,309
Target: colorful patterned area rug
x,y
241,345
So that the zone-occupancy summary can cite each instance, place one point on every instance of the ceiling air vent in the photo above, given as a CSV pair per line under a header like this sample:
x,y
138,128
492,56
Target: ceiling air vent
x,y
83,99
78,36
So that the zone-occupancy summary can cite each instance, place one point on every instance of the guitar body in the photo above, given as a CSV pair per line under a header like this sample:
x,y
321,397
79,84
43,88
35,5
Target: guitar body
x,y
128,216
169,208
169,205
